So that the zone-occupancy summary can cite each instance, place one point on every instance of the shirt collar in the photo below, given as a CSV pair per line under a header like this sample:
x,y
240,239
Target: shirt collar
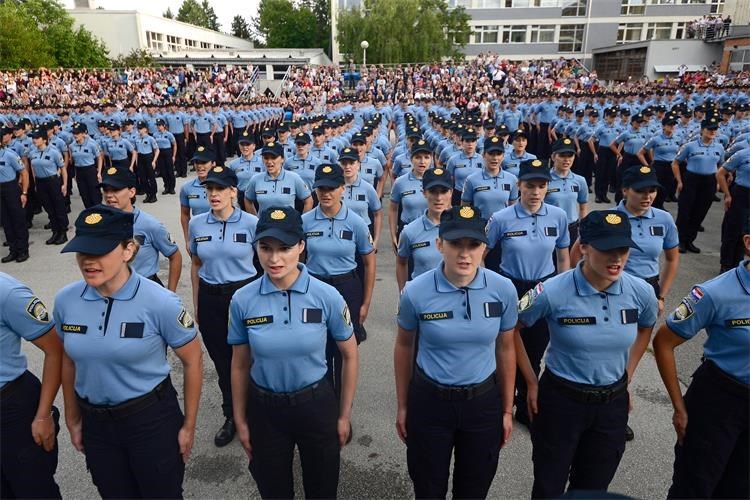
x,y
357,182
300,285
126,292
486,175
443,285
584,288
648,215
522,213
427,223
281,176
743,275
340,215
553,173
236,214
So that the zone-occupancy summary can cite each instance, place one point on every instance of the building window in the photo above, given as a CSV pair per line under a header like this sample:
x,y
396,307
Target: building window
x,y
485,34
658,31
629,32
571,38
633,7
205,45
574,8
680,30
514,34
543,33
173,43
154,40
717,6
190,43
483,4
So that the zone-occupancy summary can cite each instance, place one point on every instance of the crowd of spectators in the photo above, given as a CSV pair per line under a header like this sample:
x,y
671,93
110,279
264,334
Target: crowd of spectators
x,y
709,27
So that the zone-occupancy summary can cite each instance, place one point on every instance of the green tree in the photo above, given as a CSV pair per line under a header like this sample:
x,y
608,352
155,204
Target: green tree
x,y
22,44
280,23
198,14
240,28
402,31
168,14
137,58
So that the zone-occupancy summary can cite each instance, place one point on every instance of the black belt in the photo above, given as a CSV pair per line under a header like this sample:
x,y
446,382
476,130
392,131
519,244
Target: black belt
x,y
84,166
588,394
653,280
296,398
12,387
726,381
573,224
224,288
523,286
129,407
338,279
8,183
454,392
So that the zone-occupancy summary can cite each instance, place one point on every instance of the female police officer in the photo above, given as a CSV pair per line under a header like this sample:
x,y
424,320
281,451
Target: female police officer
x,y
28,460
87,160
600,321
193,200
527,233
567,190
491,188
115,326
407,204
711,421
51,184
279,326
458,394
222,254
277,186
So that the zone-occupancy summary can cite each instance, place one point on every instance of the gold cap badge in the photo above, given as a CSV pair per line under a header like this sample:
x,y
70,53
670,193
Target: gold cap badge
x,y
536,163
327,170
645,170
613,219
466,212
278,215
438,171
111,171
218,170
94,218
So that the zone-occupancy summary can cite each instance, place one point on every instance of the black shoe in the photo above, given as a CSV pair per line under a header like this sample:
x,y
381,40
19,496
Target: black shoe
x,y
171,191
682,248
10,257
5,243
29,224
166,191
22,256
48,225
62,237
67,209
629,434
599,200
607,200
225,434
51,239
701,229
692,248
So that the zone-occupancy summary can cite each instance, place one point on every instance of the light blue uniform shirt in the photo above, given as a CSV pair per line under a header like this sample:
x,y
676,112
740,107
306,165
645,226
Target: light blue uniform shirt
x,y
175,122
164,140
370,170
461,166
85,154
590,332
606,133
654,232
225,248
325,154
418,241
632,140
333,242
662,147
10,165
45,162
567,193
118,343
22,315
202,124
304,168
287,330
701,159
246,169
490,193
407,193
362,198
281,191
511,162
721,306
118,149
458,327
739,166
527,240
153,239
146,145
193,195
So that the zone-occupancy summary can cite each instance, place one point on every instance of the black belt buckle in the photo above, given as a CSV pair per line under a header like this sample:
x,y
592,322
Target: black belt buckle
x,y
456,393
602,396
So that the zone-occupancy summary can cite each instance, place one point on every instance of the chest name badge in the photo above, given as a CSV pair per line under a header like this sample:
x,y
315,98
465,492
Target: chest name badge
x,y
421,244
515,234
436,316
192,196
582,320
313,234
657,230
200,239
258,320
482,188
407,193
737,323
74,328
553,190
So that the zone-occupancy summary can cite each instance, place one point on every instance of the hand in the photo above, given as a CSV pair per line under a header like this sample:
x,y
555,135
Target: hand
x,y
680,422
243,434
532,392
185,439
679,187
363,311
153,165
344,428
43,432
99,177
401,424
76,435
394,243
174,158
619,160
64,189
596,157
24,199
507,428
727,202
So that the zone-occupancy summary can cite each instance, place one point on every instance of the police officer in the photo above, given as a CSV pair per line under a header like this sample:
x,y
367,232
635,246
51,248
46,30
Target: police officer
x,y
222,262
711,420
512,159
287,400
736,200
147,159
417,244
165,161
605,159
177,124
626,147
567,190
203,127
369,168
120,149
277,186
193,199
246,165
302,163
51,184
335,234
456,398
118,185
14,185
600,321
407,203
28,422
662,148
529,233
491,188
464,163
696,189
360,196
115,325
87,161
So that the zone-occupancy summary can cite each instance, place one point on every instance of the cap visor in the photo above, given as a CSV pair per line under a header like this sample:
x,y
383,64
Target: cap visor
x,y
218,182
327,183
610,243
494,148
441,183
113,184
420,150
91,245
644,184
565,150
462,232
535,175
285,237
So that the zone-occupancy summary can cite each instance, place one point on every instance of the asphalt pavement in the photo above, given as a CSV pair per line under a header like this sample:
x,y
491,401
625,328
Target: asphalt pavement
x,y
374,464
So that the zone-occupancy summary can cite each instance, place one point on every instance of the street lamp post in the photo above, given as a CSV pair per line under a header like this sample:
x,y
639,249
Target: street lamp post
x,y
364,46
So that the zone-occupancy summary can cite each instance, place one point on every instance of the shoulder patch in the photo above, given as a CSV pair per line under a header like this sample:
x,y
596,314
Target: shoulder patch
x,y
346,315
684,310
696,294
184,319
37,310
529,297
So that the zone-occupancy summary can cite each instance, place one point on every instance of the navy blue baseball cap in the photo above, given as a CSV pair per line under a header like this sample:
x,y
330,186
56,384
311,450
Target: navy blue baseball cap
x,y
80,128
639,177
436,177
606,230
281,223
421,146
268,132
328,175
273,148
564,146
469,134
359,137
221,176
302,138
462,222
710,124
520,133
99,229
245,138
533,169
494,144
348,154
203,155
118,178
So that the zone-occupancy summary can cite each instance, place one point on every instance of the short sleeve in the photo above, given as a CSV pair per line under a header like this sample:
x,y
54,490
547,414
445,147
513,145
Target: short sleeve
x,y
404,245
373,202
163,241
303,192
24,313
58,159
682,153
338,321
406,317
650,307
364,239
563,235
236,333
583,190
514,194
533,305
509,300
468,193
493,231
191,237
176,325
671,237
250,192
694,313
183,196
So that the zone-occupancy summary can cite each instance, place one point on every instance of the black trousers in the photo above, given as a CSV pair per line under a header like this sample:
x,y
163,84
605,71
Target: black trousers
x,y
666,179
33,203
584,165
71,170
574,441
26,470
312,428
204,140
219,147
88,185
732,249
166,169
712,461
213,318
181,157
628,161
543,145
137,456
604,171
438,429
13,217
695,200
50,194
146,173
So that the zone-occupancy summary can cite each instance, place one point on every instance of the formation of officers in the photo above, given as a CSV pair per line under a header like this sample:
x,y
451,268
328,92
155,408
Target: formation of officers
x,y
501,265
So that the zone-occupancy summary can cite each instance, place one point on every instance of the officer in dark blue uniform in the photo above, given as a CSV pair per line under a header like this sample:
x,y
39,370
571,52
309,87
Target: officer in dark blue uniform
x,y
456,398
712,421
222,252
148,156
28,422
279,329
167,145
51,179
14,185
407,201
736,201
600,321
87,161
115,325
193,199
